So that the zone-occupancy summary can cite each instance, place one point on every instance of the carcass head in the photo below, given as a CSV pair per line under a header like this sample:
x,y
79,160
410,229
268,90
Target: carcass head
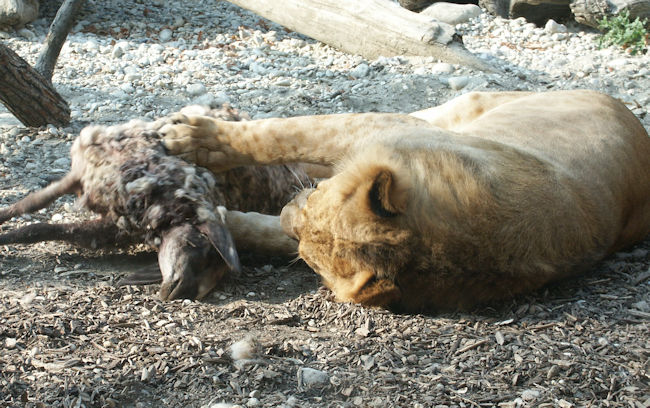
x,y
194,258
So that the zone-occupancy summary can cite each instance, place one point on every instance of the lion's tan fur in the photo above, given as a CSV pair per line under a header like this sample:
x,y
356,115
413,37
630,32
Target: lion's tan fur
x,y
484,197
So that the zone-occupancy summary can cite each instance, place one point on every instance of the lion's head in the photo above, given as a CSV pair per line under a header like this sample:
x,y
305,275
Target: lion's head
x,y
352,231
403,228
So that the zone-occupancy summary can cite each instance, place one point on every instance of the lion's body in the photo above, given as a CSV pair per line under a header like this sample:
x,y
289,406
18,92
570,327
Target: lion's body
x,y
485,197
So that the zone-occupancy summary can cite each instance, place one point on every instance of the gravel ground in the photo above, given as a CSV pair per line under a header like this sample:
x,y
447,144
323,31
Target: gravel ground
x,y
274,337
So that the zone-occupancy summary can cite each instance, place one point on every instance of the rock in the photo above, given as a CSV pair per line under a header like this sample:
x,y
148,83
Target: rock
x,y
117,51
165,35
443,68
552,27
211,100
642,306
27,34
62,162
196,89
360,70
530,395
17,13
10,342
148,373
367,361
310,377
618,64
451,13
127,88
257,68
415,4
458,83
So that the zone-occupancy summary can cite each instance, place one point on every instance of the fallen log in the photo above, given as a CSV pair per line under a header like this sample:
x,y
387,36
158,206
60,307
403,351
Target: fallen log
x,y
27,94
370,28
591,12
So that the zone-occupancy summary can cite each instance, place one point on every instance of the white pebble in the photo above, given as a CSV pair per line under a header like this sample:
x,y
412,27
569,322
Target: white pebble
x,y
553,27
148,373
458,83
360,70
117,51
62,162
25,33
127,88
10,342
443,68
530,395
291,401
165,35
196,89
311,377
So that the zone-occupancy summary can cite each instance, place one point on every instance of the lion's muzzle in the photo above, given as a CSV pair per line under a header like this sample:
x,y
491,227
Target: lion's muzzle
x,y
290,217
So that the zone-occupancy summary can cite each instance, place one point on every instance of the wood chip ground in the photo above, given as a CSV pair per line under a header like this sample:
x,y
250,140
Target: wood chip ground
x,y
70,338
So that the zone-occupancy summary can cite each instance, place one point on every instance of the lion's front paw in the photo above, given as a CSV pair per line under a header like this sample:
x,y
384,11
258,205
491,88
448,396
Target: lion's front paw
x,y
197,139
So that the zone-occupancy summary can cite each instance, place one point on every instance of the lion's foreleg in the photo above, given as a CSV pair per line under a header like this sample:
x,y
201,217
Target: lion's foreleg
x,y
323,140
259,233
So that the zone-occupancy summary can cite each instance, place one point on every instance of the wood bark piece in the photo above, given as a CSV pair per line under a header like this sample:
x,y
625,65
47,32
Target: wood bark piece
x,y
370,28
56,37
590,12
27,94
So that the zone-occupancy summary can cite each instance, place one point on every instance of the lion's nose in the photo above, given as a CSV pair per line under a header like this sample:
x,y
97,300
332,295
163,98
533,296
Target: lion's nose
x,y
290,215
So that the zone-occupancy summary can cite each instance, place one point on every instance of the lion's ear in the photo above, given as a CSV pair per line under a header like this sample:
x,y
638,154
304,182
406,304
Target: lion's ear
x,y
387,196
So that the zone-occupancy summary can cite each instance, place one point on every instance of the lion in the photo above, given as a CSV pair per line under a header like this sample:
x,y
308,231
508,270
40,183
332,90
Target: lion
x,y
485,197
